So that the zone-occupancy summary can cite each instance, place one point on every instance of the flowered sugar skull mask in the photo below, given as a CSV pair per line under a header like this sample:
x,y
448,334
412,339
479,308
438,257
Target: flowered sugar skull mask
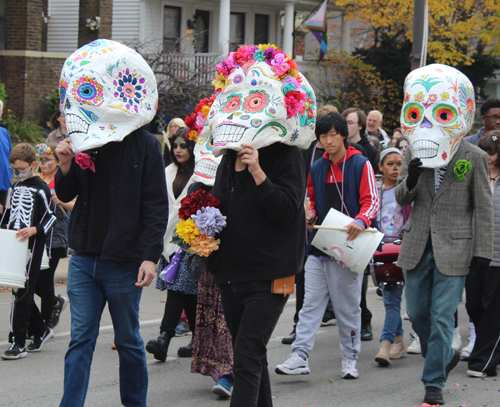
x,y
107,91
261,99
437,113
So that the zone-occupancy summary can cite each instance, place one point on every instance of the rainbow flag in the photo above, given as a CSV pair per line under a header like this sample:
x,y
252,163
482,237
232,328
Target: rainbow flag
x,y
317,24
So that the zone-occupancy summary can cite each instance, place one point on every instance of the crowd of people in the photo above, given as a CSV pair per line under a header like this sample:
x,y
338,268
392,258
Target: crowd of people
x,y
123,199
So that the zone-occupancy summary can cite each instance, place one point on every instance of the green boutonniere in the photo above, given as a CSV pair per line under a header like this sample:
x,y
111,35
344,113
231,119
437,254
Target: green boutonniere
x,y
461,168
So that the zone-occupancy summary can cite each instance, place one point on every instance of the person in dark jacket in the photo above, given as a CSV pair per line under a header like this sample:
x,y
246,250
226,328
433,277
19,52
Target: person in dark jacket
x,y
261,193
490,115
116,230
5,150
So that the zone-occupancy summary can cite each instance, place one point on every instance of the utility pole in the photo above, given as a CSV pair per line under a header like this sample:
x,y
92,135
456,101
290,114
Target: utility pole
x,y
420,27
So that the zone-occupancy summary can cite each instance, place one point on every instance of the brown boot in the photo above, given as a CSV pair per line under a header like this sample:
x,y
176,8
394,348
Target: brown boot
x,y
382,357
398,348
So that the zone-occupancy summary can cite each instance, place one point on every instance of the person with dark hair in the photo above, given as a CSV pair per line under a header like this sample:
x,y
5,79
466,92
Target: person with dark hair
x,y
325,277
183,290
482,286
58,124
356,122
490,115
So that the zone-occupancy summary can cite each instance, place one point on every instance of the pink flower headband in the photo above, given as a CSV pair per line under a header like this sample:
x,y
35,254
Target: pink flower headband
x,y
283,67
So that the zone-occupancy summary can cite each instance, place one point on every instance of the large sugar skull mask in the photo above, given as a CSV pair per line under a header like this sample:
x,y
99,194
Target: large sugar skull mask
x,y
252,109
107,91
438,111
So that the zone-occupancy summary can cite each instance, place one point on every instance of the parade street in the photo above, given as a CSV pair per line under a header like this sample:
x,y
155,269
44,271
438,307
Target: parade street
x,y
37,380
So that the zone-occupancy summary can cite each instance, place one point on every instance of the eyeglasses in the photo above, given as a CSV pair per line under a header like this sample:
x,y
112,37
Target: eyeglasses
x,y
494,118
19,171
350,123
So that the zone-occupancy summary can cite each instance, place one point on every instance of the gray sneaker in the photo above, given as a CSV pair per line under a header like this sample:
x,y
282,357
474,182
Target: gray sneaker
x,y
295,364
14,352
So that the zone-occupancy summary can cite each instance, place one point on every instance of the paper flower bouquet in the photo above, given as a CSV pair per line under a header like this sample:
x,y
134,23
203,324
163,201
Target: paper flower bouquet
x,y
200,221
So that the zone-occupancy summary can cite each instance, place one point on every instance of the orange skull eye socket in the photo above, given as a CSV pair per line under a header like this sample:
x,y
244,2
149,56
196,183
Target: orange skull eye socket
x,y
445,114
412,113
232,104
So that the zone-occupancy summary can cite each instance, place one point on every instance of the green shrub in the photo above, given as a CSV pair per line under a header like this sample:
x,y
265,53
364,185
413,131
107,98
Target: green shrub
x,y
23,131
53,101
3,94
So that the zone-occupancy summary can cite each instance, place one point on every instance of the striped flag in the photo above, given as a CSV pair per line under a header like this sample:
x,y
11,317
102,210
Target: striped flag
x,y
317,24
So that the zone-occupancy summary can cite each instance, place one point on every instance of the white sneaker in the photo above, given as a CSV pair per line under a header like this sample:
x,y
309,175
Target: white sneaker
x,y
465,352
414,347
349,368
293,365
457,342
406,317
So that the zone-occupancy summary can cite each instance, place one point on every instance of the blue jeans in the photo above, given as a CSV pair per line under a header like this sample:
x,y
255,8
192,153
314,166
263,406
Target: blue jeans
x,y
432,299
91,283
393,325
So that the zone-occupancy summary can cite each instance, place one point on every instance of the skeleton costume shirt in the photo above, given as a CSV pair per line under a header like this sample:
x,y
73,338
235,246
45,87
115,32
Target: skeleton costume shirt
x,y
30,206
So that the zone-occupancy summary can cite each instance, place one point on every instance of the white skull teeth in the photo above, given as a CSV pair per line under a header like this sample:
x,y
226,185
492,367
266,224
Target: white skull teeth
x,y
229,133
206,168
75,124
425,148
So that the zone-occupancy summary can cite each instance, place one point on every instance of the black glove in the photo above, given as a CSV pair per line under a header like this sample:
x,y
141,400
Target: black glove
x,y
479,264
414,171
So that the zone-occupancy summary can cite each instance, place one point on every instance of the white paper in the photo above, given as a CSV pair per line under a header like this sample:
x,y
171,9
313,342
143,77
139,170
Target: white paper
x,y
355,254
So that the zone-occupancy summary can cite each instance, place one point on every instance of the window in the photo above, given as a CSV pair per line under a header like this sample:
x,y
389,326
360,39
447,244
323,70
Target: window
x,y
3,5
261,29
171,28
236,31
201,21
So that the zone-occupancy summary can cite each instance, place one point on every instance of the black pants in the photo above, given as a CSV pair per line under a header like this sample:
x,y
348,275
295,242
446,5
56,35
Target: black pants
x,y
366,315
251,313
176,302
25,312
483,305
299,294
45,286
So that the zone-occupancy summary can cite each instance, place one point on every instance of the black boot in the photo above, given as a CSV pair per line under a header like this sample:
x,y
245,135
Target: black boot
x,y
186,351
159,347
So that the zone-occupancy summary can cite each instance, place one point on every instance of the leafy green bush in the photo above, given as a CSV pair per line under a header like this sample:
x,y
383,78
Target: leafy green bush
x,y
3,94
54,101
23,131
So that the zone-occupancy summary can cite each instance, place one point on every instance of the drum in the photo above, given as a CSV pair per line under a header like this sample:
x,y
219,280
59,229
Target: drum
x,y
13,255
383,268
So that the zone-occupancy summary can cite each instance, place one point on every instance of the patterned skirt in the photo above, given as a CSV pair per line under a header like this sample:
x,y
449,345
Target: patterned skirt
x,y
212,347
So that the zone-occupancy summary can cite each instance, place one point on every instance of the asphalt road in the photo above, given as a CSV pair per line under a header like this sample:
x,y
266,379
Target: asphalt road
x,y
36,381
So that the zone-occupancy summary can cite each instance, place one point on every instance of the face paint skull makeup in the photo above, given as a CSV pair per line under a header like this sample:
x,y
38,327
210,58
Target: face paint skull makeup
x,y
107,91
260,99
437,113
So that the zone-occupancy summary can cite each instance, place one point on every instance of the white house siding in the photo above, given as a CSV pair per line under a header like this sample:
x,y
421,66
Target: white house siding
x,y
126,20
62,30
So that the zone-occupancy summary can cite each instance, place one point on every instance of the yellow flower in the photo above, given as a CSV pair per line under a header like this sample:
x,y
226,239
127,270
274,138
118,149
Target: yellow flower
x,y
203,246
193,135
186,230
205,110
219,82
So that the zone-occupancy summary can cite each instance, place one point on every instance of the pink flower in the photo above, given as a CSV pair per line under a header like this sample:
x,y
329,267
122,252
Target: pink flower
x,y
279,58
84,161
281,69
200,121
294,101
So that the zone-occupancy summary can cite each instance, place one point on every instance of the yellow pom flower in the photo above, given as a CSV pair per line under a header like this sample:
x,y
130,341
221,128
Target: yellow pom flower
x,y
186,230
202,245
205,110
193,135
219,82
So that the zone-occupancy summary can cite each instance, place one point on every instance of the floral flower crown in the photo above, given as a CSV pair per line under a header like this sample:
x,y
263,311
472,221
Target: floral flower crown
x,y
195,121
283,67
43,149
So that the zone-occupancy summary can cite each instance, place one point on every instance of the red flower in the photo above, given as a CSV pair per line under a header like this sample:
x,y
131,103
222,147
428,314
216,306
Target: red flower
x,y
190,121
85,161
195,201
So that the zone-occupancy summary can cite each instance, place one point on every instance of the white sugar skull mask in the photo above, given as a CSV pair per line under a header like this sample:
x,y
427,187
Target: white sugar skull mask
x,y
205,163
107,91
438,111
251,109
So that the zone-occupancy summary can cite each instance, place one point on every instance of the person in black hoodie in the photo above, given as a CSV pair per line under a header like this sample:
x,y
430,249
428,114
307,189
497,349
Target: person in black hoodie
x,y
261,193
31,216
